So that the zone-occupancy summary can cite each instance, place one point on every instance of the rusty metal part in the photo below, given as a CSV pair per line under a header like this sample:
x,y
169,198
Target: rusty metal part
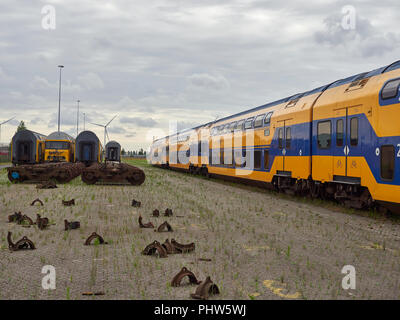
x,y
156,213
98,293
136,204
176,281
204,259
169,247
37,200
42,223
68,203
22,218
145,225
165,227
47,185
17,216
71,225
93,236
154,248
183,247
62,172
113,172
168,212
23,243
205,289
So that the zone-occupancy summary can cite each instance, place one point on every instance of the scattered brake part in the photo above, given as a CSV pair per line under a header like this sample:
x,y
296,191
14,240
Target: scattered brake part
x,y
68,203
168,212
94,235
46,185
169,247
204,259
176,281
136,204
205,289
71,225
21,244
154,248
21,219
165,227
17,216
37,200
145,225
183,247
41,222
156,213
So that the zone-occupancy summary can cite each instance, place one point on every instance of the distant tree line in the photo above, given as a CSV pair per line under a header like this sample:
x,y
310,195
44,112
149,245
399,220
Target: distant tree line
x,y
132,153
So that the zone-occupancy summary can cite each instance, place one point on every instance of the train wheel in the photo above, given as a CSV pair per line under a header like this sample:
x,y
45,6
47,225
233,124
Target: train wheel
x,y
89,178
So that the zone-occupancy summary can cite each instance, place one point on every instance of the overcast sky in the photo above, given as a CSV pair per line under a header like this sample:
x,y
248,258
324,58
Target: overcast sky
x,y
153,61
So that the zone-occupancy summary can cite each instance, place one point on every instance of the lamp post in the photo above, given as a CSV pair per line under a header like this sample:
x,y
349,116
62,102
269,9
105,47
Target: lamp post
x,y
59,97
77,119
84,121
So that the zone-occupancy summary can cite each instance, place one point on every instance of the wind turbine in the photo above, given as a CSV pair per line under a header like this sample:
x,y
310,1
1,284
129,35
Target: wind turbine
x,y
4,122
105,131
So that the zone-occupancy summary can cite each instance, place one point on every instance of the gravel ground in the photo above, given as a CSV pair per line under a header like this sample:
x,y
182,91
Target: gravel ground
x,y
262,245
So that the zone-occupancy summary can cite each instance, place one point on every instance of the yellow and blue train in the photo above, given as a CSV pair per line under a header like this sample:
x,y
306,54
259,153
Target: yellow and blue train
x,y
339,141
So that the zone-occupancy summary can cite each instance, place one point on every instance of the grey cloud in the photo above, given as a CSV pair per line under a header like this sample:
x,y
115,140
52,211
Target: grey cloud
x,y
139,122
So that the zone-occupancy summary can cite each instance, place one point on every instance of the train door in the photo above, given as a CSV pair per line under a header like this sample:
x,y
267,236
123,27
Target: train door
x,y
284,144
87,152
346,144
24,151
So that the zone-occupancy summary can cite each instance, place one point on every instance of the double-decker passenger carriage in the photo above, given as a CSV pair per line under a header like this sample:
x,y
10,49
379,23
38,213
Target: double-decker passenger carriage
x,y
59,147
27,147
89,151
339,141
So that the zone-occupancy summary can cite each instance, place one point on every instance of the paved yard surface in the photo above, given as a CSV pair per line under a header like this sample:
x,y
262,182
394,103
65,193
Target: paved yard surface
x,y
262,245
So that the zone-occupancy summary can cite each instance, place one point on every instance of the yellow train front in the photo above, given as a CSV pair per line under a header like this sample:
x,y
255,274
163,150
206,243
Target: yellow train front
x,y
339,141
59,147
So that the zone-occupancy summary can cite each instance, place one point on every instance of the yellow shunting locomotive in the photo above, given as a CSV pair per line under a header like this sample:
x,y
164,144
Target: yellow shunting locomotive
x,y
339,141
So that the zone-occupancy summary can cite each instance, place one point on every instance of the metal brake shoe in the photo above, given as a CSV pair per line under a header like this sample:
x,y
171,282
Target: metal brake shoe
x,y
205,289
176,281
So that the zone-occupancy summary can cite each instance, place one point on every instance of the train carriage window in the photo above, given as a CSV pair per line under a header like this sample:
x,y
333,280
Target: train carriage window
x,y
324,132
280,138
239,125
248,124
259,121
267,119
391,89
266,159
339,132
257,159
387,162
354,131
288,137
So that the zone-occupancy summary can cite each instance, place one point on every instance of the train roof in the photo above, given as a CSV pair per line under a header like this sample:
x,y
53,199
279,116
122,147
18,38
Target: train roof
x,y
37,135
393,66
59,136
113,143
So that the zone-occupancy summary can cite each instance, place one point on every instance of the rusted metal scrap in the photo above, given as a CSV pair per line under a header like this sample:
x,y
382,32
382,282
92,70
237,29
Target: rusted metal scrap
x,y
46,185
21,244
176,281
168,212
183,248
205,289
97,293
68,203
145,225
136,204
156,213
15,217
42,223
71,225
93,236
169,247
37,200
165,227
154,248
